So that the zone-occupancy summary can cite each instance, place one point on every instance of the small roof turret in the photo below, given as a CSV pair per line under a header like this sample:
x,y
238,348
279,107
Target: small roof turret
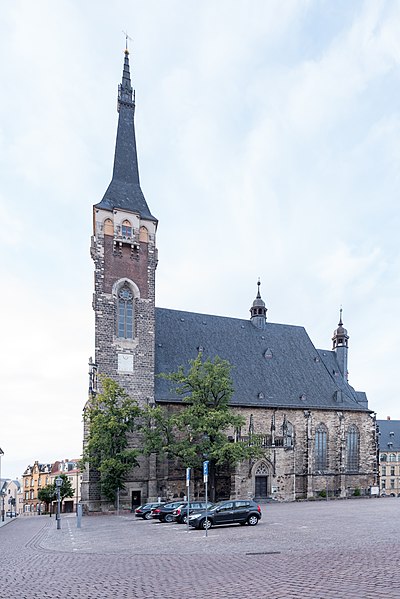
x,y
340,336
258,310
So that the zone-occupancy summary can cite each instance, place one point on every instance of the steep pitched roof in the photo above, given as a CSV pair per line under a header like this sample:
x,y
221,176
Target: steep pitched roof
x,y
389,435
277,366
124,191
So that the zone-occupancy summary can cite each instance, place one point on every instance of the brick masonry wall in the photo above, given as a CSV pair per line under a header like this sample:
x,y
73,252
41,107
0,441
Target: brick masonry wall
x,y
113,263
291,471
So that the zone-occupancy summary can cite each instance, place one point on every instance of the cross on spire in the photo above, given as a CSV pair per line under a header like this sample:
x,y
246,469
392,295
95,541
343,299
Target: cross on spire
x,y
126,41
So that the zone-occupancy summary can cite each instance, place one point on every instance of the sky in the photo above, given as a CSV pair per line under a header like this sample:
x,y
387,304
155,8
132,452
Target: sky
x,y
268,137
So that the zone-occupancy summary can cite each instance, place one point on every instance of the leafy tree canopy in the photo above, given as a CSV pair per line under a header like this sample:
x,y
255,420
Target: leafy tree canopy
x,y
110,418
200,430
66,489
47,494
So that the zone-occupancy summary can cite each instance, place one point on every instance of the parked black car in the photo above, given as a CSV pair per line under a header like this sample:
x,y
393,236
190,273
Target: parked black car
x,y
164,512
144,511
227,512
180,514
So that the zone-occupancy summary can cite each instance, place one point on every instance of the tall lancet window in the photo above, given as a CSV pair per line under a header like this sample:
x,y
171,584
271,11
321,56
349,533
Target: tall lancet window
x,y
352,449
321,448
125,313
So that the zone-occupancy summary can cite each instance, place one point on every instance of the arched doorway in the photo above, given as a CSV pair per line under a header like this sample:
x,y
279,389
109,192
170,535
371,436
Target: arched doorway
x,y
262,481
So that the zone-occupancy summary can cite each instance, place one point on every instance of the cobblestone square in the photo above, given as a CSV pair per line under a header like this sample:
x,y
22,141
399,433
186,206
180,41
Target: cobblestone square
x,y
320,550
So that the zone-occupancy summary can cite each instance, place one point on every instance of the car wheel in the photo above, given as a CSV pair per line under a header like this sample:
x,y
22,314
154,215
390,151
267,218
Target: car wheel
x,y
184,519
147,516
205,524
252,520
169,518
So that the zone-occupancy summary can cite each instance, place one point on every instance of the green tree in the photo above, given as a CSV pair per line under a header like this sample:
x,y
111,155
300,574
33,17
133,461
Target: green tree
x,y
199,431
66,489
110,418
47,495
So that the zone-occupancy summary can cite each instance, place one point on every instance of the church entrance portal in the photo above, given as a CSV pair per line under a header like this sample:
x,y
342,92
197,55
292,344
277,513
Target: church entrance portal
x,y
262,481
261,487
136,498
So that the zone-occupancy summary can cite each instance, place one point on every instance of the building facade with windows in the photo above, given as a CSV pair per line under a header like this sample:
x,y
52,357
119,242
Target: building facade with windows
x,y
13,498
71,469
317,433
41,475
33,479
389,457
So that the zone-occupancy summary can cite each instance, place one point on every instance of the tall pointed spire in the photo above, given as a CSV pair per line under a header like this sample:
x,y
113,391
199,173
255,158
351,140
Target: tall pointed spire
x,y
124,191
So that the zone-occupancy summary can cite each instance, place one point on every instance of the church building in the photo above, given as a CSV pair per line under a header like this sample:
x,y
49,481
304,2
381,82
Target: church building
x,y
317,433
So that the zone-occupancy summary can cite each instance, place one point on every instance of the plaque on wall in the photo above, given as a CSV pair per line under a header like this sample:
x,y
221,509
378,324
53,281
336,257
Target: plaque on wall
x,y
125,363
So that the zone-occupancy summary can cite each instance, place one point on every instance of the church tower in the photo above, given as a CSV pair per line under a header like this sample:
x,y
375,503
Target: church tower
x,y
123,248
124,252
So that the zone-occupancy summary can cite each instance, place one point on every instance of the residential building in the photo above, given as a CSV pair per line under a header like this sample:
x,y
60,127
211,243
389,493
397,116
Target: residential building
x,y
34,478
71,469
389,456
40,475
13,497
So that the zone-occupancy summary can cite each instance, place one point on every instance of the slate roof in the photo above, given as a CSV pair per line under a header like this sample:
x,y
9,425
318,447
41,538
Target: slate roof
x,y
389,435
277,366
124,190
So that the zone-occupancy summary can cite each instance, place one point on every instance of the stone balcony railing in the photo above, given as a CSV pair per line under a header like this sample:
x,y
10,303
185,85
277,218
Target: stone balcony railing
x,y
262,440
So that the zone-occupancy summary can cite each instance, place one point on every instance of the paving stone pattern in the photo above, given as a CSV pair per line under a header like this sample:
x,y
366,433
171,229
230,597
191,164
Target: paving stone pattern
x,y
320,550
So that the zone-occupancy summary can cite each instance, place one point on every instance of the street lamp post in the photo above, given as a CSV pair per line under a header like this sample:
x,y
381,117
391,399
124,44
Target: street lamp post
x,y
1,489
58,482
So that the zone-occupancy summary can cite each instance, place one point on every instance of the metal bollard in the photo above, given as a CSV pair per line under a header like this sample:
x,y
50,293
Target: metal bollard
x,y
78,515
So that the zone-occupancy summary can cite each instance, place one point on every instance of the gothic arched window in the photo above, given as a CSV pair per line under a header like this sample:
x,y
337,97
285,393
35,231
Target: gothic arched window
x,y
125,313
108,227
288,433
126,229
321,448
143,235
352,449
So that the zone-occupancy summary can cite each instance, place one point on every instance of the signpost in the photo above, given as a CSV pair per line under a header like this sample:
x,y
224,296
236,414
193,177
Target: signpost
x,y
188,497
205,479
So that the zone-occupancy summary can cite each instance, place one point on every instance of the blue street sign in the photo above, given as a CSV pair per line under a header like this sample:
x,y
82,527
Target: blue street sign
x,y
205,468
187,476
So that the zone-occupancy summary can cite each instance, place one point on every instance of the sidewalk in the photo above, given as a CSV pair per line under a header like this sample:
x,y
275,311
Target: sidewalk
x,y
6,521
